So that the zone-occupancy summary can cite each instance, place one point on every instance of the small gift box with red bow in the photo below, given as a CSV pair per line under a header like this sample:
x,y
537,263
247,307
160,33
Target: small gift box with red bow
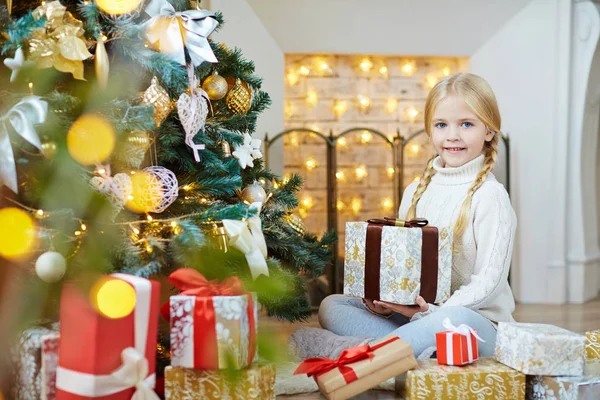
x,y
457,345
213,324
105,355
360,368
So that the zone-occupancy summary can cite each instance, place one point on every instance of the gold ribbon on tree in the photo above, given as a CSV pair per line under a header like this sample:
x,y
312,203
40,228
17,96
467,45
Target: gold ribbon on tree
x,y
173,32
28,112
60,43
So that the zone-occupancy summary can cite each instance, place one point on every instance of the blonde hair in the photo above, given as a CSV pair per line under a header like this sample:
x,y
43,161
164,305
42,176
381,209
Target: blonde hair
x,y
478,95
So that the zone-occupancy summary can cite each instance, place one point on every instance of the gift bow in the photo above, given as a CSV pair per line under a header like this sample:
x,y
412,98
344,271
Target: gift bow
x,y
193,283
176,31
462,329
28,112
247,236
318,366
133,373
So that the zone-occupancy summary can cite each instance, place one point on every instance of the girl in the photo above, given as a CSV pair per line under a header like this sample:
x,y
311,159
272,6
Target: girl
x,y
457,190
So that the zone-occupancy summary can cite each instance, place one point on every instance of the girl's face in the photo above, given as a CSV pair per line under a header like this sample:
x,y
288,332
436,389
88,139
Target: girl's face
x,y
457,134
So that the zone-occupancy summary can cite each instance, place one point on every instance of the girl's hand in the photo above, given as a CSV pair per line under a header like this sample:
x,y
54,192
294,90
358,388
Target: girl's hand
x,y
377,309
407,311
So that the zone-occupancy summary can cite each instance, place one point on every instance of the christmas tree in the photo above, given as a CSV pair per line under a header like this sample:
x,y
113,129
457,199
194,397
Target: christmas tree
x,y
127,147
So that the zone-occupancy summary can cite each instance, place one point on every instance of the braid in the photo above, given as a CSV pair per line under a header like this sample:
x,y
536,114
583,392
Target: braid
x,y
427,174
489,162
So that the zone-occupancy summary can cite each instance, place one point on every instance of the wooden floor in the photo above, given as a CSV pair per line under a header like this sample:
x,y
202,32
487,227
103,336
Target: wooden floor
x,y
574,317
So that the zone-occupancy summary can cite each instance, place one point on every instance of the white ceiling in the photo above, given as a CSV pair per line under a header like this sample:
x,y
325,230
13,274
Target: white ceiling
x,y
408,27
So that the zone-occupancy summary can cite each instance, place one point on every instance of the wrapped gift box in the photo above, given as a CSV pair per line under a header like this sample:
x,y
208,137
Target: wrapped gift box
x,y
457,345
35,362
100,357
539,349
254,383
592,353
563,388
484,380
360,368
396,264
209,330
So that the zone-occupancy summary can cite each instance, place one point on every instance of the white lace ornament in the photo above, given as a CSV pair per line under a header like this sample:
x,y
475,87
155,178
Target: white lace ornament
x,y
117,188
163,194
193,111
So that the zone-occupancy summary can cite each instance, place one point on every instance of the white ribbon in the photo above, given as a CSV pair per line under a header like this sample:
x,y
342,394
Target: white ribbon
x,y
247,236
462,329
175,31
28,112
134,370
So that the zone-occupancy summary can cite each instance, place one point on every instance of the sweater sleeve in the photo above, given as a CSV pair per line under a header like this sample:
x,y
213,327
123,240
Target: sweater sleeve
x,y
494,225
407,199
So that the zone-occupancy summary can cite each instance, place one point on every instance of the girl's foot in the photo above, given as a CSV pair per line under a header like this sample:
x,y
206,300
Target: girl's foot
x,y
316,342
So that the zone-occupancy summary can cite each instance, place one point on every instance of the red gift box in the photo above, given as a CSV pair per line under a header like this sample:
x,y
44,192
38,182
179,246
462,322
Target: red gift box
x,y
200,312
104,358
457,345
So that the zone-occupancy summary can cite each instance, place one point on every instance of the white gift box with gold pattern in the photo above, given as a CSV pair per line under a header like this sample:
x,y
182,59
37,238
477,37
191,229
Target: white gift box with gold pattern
x,y
563,388
540,349
406,262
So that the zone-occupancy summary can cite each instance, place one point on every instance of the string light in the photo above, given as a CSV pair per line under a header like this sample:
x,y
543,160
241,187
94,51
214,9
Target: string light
x,y
135,230
364,103
340,176
294,140
387,204
340,205
366,137
446,71
412,113
361,172
342,142
83,227
383,71
391,105
304,70
289,109
356,205
30,87
149,217
312,98
390,172
416,178
40,212
408,68
366,65
292,78
323,66
308,202
340,107
431,80
415,149
311,164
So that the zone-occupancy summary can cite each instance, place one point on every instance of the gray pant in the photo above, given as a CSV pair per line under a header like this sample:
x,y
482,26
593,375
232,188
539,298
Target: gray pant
x,y
347,316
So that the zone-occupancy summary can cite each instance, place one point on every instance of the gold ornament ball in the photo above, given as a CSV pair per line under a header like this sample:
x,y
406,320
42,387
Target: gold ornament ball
x,y
296,223
239,98
215,86
253,193
139,139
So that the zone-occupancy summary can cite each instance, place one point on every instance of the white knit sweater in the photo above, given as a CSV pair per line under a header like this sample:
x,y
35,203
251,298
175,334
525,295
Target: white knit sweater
x,y
480,270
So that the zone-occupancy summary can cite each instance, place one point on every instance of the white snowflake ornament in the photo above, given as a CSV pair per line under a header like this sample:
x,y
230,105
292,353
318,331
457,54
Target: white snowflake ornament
x,y
16,64
247,152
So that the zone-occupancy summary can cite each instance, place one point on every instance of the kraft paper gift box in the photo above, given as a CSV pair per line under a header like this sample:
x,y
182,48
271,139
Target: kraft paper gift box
x,y
213,324
360,368
540,349
592,353
35,361
563,388
108,358
396,261
485,379
254,383
457,345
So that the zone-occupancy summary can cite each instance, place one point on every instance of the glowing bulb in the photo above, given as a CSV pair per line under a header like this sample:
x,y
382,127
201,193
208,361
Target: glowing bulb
x,y
113,298
364,103
104,38
303,212
412,113
356,205
383,70
118,7
40,212
387,204
366,137
340,176
149,218
361,172
408,68
292,78
286,178
203,200
17,235
294,140
77,233
303,70
83,227
391,105
289,109
415,149
343,142
390,172
136,231
340,107
340,205
311,164
366,65
323,66
91,139
431,80
31,87
416,178
312,97
308,202
187,187
101,171
446,71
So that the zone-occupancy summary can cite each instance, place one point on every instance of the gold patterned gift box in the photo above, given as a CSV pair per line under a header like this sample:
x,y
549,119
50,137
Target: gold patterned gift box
x,y
563,388
540,349
484,380
397,263
592,353
254,383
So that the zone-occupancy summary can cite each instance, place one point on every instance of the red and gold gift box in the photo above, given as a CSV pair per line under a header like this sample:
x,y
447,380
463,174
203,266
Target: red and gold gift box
x,y
457,345
397,261
360,368
108,358
254,383
213,324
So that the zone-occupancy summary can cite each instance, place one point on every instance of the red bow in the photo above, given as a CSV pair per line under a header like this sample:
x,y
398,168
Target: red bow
x,y
193,283
318,366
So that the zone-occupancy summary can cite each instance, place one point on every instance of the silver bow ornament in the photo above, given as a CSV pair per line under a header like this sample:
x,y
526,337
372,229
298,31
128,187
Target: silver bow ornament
x,y
174,32
247,236
30,111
